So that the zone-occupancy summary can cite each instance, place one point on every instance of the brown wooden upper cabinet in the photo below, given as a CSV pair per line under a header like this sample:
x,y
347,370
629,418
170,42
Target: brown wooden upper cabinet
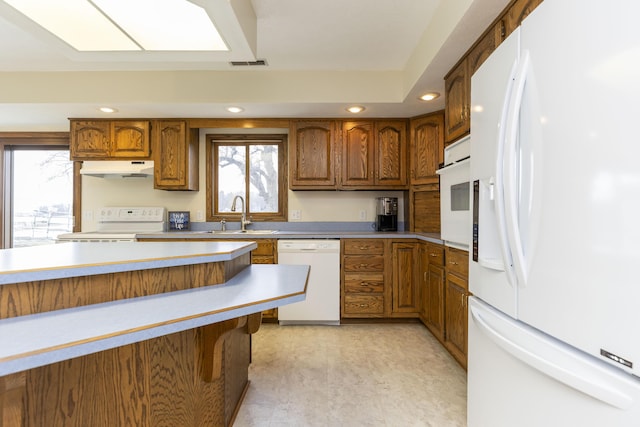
x,y
175,152
513,17
458,80
458,88
106,139
374,154
427,147
457,102
312,155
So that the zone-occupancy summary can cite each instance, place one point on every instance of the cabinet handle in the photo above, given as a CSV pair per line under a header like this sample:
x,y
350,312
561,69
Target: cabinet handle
x,y
433,255
364,305
453,263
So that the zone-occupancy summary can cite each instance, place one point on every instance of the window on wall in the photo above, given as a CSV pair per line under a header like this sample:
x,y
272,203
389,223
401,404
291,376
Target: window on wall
x,y
250,166
37,192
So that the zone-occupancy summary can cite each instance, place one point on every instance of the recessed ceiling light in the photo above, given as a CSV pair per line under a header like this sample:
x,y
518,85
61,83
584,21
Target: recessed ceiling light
x,y
356,109
429,96
108,110
235,109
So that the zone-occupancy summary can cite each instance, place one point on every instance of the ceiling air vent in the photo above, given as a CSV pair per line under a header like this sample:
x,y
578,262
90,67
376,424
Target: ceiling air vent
x,y
248,63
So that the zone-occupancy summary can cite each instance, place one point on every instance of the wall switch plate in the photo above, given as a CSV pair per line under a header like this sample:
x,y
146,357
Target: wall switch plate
x,y
295,214
87,215
363,215
199,216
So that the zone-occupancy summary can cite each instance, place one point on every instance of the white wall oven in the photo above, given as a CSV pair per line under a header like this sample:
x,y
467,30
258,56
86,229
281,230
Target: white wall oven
x,y
455,194
121,224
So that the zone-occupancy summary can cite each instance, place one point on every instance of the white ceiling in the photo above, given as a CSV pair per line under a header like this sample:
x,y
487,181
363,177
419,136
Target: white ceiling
x,y
322,56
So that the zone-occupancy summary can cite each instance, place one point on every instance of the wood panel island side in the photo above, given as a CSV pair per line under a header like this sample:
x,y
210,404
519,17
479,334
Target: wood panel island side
x,y
132,333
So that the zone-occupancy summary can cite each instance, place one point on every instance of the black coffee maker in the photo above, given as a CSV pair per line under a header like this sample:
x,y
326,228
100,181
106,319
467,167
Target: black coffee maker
x,y
387,214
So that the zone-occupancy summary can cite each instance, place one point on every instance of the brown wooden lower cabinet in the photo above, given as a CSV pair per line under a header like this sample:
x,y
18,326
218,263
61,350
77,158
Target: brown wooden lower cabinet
x,y
456,294
363,284
406,277
456,318
433,279
444,293
380,278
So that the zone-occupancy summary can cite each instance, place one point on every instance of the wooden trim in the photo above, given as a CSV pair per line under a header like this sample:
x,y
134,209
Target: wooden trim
x,y
238,123
211,181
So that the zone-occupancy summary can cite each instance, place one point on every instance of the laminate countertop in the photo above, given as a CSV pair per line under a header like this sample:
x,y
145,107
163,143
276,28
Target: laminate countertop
x,y
287,234
77,259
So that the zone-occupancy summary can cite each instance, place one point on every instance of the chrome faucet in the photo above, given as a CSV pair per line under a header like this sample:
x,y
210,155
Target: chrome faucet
x,y
243,218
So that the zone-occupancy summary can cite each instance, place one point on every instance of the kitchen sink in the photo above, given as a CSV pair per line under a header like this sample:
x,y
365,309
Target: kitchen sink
x,y
247,232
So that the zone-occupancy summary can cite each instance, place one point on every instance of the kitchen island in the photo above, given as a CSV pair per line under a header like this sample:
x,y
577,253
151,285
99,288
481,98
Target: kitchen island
x,y
145,334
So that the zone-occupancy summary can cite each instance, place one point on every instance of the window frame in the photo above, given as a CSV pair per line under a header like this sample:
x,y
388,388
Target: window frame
x,y
212,140
33,141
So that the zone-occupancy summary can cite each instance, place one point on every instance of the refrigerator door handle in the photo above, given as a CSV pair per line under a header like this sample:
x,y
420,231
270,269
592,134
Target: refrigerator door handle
x,y
511,171
554,358
498,185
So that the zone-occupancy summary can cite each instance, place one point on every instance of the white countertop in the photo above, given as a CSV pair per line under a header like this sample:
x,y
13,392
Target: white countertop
x,y
45,338
75,259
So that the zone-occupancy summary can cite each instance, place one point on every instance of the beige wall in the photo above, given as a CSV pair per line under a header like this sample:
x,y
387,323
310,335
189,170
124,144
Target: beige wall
x,y
330,206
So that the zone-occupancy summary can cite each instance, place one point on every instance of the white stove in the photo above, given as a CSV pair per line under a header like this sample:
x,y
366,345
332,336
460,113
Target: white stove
x,y
121,224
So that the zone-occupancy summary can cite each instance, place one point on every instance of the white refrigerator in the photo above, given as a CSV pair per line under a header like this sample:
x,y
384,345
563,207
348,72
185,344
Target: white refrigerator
x,y
554,268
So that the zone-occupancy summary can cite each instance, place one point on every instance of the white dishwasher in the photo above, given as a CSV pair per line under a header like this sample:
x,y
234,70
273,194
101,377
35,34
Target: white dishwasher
x,y
322,304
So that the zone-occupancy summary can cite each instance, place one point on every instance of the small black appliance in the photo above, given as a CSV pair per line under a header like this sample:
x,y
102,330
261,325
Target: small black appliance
x,y
387,214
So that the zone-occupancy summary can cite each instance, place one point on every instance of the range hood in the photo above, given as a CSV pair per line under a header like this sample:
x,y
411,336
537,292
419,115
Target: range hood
x,y
117,168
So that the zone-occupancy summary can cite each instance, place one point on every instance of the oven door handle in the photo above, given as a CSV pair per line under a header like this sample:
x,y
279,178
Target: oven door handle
x,y
453,166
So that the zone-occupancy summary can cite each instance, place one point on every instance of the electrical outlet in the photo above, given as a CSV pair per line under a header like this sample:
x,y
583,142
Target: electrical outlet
x,y
199,216
295,215
363,215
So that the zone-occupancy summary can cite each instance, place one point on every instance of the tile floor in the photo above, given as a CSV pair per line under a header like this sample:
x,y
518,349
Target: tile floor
x,y
352,375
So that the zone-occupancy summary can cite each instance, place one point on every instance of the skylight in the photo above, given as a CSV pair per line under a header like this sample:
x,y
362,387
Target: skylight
x,y
125,25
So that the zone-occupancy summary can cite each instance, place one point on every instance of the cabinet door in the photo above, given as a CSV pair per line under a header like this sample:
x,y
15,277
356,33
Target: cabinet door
x,y
176,156
427,148
480,52
312,155
405,287
357,154
514,16
391,154
456,318
89,140
424,209
457,102
435,301
130,139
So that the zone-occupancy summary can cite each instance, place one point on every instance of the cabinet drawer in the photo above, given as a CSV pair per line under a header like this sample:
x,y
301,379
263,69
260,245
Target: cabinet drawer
x,y
364,283
363,246
435,254
363,263
364,304
458,261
